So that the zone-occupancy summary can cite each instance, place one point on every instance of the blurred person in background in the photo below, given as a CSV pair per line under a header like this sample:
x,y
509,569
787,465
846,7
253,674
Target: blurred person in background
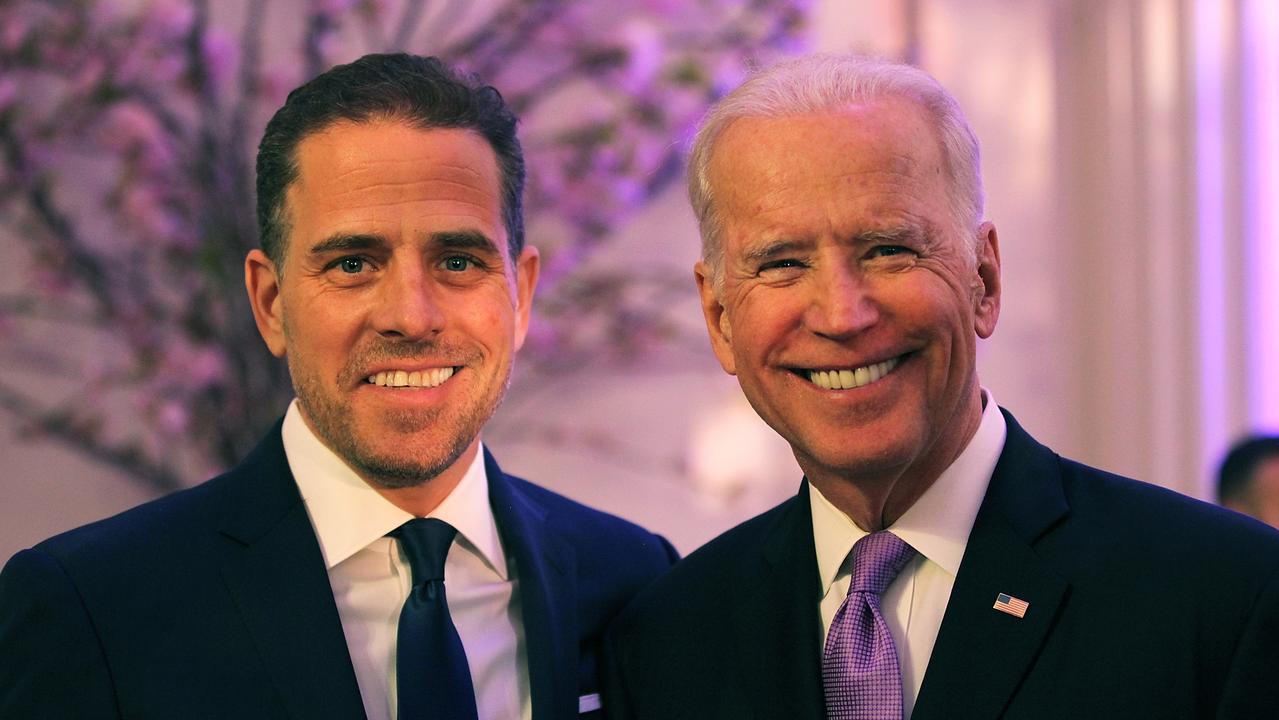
x,y
1248,480
937,561
369,557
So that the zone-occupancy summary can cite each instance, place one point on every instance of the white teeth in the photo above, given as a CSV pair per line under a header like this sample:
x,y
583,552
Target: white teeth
x,y
861,376
855,378
416,379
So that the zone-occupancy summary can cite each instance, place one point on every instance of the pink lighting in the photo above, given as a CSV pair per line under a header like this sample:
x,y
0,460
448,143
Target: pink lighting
x,y
1260,26
1210,197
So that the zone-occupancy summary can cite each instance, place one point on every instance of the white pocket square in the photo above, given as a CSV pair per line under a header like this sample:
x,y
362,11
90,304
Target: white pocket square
x,y
587,703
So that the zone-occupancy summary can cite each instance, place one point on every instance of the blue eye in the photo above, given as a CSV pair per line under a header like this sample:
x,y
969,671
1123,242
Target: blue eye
x,y
457,263
351,265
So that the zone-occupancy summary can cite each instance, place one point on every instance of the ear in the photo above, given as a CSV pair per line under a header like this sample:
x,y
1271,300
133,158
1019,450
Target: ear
x,y
988,286
527,268
263,283
718,324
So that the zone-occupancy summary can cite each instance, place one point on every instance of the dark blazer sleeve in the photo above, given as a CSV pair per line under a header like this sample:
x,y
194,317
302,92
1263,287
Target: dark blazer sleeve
x,y
1251,690
53,665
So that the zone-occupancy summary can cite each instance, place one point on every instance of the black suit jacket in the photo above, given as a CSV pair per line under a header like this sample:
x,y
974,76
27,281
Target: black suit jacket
x,y
215,602
1143,604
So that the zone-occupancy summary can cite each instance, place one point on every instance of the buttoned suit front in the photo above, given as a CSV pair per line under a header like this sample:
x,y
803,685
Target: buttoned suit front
x,y
215,602
1142,603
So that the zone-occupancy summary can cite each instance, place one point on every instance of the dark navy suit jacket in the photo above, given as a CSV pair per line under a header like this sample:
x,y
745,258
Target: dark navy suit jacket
x,y
1143,604
215,602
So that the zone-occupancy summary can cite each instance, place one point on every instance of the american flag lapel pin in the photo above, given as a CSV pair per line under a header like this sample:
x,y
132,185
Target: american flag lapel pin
x,y
1006,603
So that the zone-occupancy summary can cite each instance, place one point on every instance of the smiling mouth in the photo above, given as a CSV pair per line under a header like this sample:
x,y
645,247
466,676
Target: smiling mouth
x,y
849,378
415,379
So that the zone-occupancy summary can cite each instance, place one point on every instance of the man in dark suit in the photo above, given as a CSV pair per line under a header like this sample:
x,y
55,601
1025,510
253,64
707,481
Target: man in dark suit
x,y
937,561
394,279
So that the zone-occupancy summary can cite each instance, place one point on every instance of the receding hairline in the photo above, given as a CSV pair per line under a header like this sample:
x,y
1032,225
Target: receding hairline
x,y
823,84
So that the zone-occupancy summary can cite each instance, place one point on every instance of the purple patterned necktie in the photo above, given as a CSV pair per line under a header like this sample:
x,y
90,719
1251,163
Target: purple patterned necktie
x,y
859,668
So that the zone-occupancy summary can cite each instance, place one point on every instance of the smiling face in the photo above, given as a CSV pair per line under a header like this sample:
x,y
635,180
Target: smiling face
x,y
398,308
850,307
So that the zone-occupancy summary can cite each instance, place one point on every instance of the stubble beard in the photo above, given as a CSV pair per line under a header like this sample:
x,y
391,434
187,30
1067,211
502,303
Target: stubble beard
x,y
331,419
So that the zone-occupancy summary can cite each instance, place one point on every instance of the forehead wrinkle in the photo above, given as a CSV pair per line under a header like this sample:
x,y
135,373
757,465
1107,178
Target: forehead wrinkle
x,y
466,187
783,195
444,171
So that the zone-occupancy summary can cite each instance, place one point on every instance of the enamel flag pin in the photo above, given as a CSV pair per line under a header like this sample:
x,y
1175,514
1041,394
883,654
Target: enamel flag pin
x,y
1016,607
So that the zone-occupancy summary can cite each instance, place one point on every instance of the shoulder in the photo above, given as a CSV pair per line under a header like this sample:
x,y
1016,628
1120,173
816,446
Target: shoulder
x,y
1159,520
140,532
593,532
1129,516
695,587
1111,534
735,550
259,488
64,592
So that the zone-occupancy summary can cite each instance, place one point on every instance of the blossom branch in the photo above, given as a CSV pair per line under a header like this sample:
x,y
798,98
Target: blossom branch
x,y
84,437
60,228
44,309
537,14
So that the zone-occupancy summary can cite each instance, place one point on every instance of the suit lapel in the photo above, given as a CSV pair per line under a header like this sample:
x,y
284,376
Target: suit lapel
x,y
276,576
776,622
981,654
546,567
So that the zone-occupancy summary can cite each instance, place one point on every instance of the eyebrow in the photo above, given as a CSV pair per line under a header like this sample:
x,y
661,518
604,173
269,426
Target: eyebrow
x,y
894,235
464,240
449,240
343,243
773,249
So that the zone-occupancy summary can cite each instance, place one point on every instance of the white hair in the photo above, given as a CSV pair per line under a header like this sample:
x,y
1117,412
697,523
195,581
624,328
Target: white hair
x,y
825,82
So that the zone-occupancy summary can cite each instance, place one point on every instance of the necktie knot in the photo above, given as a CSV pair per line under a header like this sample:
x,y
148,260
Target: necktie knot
x,y
433,677
426,543
877,559
860,674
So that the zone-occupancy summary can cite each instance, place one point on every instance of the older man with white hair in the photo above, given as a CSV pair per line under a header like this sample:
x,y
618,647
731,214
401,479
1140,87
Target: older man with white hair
x,y
937,561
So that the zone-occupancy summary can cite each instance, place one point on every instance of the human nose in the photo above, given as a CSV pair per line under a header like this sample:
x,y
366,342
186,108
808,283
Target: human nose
x,y
409,306
842,304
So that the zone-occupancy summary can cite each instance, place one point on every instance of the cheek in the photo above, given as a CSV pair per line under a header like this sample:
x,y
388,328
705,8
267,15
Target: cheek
x,y
763,323
490,320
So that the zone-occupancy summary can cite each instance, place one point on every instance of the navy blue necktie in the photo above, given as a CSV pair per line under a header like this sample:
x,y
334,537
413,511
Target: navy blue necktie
x,y
432,676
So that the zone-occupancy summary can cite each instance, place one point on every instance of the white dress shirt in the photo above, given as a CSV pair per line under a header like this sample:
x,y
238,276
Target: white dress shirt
x,y
371,577
937,526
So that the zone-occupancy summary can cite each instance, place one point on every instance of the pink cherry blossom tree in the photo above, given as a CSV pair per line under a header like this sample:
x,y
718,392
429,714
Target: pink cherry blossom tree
x,y
127,133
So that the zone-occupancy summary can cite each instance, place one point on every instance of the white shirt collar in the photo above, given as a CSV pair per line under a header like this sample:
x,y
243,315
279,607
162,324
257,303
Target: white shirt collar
x,y
939,522
348,515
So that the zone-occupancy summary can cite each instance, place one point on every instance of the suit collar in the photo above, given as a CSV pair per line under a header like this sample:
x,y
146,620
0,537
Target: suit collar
x,y
348,515
981,654
545,566
275,574
776,620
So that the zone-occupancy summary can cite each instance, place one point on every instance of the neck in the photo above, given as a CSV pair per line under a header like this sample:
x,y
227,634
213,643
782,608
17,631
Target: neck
x,y
875,498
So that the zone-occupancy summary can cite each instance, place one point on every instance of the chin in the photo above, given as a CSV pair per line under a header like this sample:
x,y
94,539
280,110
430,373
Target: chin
x,y
862,459
398,470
